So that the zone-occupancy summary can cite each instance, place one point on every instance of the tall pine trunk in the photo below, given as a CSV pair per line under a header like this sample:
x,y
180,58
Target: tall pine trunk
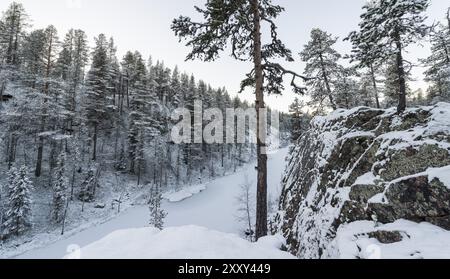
x,y
2,88
38,170
261,199
375,87
10,52
327,84
401,75
12,147
94,151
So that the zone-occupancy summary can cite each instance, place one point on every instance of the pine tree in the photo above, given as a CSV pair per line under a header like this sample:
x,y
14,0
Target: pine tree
x,y
139,116
18,213
121,162
115,98
438,63
157,214
365,89
162,82
321,67
60,186
392,83
96,104
297,116
346,89
113,76
87,188
367,56
175,88
70,67
239,24
12,29
49,58
64,62
51,49
33,57
387,28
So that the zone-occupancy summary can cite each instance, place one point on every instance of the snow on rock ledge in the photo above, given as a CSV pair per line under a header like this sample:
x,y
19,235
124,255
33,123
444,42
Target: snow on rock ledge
x,y
365,165
189,242
399,240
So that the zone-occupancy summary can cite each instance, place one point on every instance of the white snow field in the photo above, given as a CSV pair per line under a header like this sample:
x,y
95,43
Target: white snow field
x,y
420,241
214,208
187,242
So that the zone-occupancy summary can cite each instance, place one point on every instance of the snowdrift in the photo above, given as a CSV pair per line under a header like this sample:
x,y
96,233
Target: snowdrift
x,y
362,182
188,242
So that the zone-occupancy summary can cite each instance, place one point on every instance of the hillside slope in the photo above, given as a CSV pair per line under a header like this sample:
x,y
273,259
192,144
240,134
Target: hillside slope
x,y
355,171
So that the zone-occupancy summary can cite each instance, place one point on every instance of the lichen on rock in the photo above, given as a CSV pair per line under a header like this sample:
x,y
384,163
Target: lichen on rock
x,y
365,165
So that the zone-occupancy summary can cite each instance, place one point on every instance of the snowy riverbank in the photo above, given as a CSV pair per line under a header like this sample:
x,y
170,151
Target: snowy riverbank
x,y
214,208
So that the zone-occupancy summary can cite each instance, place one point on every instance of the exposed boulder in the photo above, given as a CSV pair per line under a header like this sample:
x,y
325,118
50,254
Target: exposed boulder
x,y
386,237
366,165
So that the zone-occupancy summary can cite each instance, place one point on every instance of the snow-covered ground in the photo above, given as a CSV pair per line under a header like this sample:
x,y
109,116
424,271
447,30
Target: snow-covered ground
x,y
187,242
419,241
214,208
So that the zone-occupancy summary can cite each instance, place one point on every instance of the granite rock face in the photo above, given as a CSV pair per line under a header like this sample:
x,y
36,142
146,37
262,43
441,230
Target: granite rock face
x,y
366,165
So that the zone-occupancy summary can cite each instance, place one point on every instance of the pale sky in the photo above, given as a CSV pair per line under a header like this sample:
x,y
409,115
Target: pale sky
x,y
144,25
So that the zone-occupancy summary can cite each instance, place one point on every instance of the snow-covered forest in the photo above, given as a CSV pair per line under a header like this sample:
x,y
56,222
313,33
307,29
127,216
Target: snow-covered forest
x,y
73,113
87,148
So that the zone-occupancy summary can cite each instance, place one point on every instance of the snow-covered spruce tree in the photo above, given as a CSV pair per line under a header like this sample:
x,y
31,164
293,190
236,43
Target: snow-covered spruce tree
x,y
14,22
438,63
18,210
70,67
12,175
49,56
367,56
116,99
238,23
157,214
174,97
346,90
189,94
74,162
121,160
367,92
96,103
20,122
158,151
322,67
32,53
151,121
34,105
114,77
392,83
60,187
297,114
140,99
88,186
64,61
387,28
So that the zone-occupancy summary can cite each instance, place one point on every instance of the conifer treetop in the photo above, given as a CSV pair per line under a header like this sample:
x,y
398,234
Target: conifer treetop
x,y
229,24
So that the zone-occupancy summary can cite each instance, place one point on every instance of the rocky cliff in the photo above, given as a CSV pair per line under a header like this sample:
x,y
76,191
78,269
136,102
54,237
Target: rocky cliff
x,y
365,177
